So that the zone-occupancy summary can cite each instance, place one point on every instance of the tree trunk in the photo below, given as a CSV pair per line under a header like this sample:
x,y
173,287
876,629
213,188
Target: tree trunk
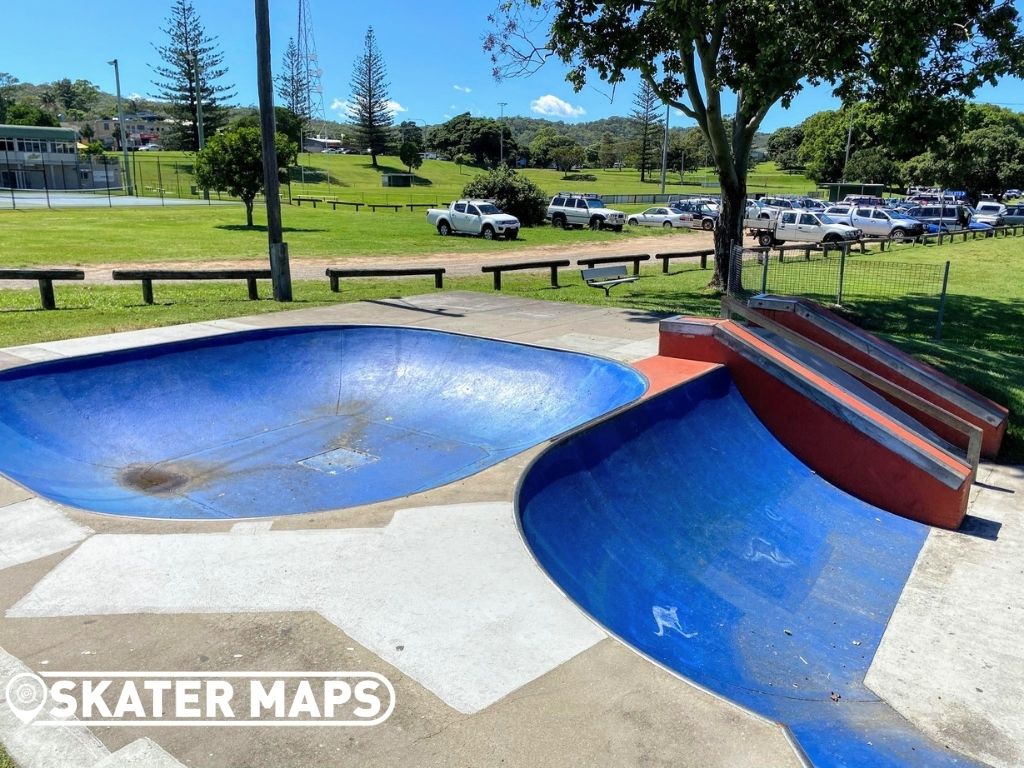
x,y
248,211
373,159
729,232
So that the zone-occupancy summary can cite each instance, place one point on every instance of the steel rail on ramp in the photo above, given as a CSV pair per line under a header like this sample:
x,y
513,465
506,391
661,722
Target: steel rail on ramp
x,y
972,434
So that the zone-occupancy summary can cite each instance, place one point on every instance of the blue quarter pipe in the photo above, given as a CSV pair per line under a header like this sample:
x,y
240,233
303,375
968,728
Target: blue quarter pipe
x,y
688,531
289,420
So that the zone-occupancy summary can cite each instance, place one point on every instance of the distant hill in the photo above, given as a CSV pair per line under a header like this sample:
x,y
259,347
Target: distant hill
x,y
524,129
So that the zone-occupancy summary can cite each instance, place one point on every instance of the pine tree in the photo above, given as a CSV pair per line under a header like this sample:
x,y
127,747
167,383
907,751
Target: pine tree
x,y
191,58
369,109
646,126
293,83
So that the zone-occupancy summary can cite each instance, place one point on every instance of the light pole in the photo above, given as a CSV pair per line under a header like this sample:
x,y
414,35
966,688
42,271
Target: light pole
x,y
120,124
501,129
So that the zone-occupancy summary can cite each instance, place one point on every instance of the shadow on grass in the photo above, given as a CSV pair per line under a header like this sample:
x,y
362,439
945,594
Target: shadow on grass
x,y
417,181
971,321
262,228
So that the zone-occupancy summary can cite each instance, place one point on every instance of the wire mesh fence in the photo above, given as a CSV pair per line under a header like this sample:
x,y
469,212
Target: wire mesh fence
x,y
890,296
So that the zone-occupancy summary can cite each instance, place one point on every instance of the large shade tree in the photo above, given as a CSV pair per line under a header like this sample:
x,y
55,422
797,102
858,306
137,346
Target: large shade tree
x,y
232,161
741,57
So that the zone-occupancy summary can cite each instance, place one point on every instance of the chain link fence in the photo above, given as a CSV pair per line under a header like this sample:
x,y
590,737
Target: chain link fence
x,y
888,296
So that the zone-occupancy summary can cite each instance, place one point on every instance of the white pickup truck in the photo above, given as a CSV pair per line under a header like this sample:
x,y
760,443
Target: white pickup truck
x,y
800,226
473,217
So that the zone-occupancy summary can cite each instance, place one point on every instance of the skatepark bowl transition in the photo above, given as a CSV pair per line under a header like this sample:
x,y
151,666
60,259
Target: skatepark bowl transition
x,y
289,420
647,489
757,580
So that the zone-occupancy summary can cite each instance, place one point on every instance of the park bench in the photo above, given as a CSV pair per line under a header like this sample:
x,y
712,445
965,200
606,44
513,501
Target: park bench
x,y
335,203
804,248
147,276
314,200
375,206
553,265
666,257
45,278
635,260
414,206
336,273
606,277
880,240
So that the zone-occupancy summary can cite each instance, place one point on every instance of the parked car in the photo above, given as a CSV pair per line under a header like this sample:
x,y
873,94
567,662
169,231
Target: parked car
x,y
801,226
473,217
989,212
700,212
574,209
767,208
864,200
1014,215
944,215
812,204
1011,194
661,217
879,222
149,148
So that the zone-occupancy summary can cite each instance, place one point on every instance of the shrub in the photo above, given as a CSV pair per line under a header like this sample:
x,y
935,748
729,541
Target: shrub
x,y
512,193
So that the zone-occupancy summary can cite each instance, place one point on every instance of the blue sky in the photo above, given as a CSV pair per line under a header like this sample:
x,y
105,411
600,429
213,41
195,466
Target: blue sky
x,y
433,51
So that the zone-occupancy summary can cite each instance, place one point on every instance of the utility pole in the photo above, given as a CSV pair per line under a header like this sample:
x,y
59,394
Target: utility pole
x,y
849,138
664,152
120,123
501,129
199,99
280,272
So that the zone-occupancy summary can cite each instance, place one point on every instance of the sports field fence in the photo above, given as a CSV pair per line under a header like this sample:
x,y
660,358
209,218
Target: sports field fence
x,y
888,296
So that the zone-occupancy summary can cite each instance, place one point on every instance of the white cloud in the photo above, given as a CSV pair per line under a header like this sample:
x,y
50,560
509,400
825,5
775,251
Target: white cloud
x,y
556,107
463,88
341,108
344,109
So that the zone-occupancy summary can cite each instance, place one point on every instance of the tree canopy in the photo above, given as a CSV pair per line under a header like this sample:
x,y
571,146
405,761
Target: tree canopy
x,y
292,83
232,160
477,137
189,73
700,57
409,154
370,109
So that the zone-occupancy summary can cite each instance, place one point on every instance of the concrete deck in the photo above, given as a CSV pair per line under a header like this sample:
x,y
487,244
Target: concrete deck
x,y
349,589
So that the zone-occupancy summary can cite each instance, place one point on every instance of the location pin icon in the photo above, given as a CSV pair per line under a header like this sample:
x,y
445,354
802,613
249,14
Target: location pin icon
x,y
25,695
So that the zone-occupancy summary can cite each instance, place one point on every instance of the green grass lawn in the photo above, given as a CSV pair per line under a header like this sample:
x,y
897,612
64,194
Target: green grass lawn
x,y
5,759
36,237
352,178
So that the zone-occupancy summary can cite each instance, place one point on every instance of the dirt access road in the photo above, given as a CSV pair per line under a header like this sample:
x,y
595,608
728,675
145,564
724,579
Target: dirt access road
x,y
454,263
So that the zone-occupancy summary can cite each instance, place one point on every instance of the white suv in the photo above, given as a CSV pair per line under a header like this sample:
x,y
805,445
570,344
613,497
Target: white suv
x,y
573,209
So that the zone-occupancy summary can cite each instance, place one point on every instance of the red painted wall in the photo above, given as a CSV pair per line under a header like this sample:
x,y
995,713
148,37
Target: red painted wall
x,y
836,450
992,436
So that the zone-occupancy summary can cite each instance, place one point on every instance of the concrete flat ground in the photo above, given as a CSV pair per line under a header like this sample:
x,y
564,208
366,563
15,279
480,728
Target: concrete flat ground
x,y
491,664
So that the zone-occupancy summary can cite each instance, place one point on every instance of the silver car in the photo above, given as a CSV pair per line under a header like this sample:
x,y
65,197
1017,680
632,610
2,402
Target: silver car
x,y
660,217
885,222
